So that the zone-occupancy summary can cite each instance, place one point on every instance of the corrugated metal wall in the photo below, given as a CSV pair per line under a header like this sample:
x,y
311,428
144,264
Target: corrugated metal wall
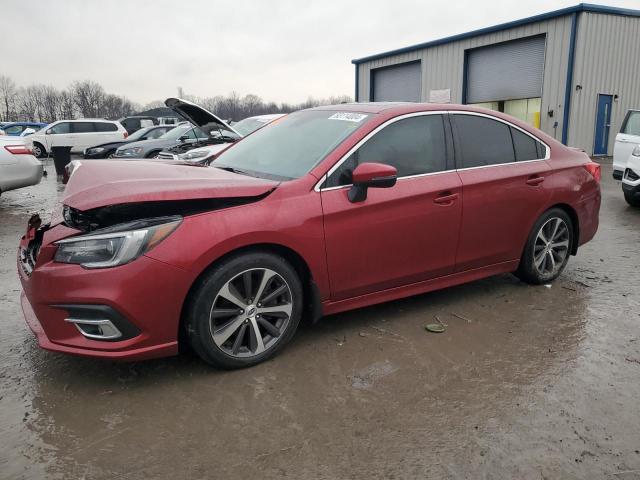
x,y
607,60
443,66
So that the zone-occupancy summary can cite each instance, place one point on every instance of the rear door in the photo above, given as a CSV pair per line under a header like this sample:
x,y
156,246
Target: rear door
x,y
503,170
398,235
84,135
626,141
105,132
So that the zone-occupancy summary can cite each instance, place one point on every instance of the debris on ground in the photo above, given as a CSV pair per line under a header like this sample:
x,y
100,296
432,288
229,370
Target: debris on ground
x,y
436,327
461,317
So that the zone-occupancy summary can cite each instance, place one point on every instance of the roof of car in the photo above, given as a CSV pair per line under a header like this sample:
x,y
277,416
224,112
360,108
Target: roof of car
x,y
395,107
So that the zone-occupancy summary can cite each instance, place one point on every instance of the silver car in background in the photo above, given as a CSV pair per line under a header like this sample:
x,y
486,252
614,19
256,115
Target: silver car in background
x,y
18,167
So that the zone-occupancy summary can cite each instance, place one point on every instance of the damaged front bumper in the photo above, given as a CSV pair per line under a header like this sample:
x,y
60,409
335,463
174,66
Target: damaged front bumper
x,y
78,311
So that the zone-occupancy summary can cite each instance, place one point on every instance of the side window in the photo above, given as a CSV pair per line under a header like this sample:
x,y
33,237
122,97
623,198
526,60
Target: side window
x,y
191,134
414,146
156,133
83,127
526,147
64,127
632,123
483,141
105,127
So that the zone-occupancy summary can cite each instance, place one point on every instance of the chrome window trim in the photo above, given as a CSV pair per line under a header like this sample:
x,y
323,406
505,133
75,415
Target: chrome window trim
x,y
366,139
420,114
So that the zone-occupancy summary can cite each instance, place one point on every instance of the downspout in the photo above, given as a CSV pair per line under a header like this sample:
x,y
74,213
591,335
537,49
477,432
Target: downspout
x,y
355,97
569,84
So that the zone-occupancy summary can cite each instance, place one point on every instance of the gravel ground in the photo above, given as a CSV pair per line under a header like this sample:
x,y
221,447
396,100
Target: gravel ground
x,y
526,383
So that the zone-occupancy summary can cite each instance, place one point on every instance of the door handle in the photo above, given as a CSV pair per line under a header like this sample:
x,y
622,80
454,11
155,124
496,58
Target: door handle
x,y
446,198
533,181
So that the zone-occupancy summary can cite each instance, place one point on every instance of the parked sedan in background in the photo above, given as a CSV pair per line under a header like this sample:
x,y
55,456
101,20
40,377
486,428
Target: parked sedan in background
x,y
18,167
108,150
215,145
330,209
205,128
184,132
77,134
17,128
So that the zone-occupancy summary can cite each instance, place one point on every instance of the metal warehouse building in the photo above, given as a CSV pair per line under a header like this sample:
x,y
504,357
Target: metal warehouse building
x,y
573,73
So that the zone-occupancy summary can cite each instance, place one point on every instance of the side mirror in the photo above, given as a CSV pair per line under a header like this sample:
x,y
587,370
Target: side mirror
x,y
371,175
144,138
49,131
184,138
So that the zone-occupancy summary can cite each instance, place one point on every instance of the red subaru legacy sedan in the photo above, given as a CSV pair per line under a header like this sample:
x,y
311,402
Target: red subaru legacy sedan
x,y
330,209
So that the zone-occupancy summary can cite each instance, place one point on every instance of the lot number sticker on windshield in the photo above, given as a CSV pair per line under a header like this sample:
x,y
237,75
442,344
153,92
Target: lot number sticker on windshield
x,y
348,117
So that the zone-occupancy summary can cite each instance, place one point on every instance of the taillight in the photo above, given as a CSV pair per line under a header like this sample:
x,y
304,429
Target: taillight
x,y
594,169
18,149
126,134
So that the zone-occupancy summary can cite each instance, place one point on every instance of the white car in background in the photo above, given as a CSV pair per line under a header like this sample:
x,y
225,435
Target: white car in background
x,y
626,141
631,179
77,134
18,167
208,153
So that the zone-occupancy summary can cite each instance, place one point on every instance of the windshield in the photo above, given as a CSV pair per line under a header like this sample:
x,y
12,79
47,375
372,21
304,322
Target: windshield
x,y
291,147
139,133
248,125
176,133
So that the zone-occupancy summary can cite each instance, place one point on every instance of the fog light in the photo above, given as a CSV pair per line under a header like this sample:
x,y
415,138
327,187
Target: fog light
x,y
96,329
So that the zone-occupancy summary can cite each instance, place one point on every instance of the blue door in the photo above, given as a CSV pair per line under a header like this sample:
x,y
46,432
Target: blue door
x,y
603,124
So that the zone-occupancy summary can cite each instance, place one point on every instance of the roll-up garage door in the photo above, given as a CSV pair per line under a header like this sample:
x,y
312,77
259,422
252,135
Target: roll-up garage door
x,y
506,71
400,83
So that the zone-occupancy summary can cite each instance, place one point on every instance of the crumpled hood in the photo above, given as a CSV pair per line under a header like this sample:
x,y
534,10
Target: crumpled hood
x,y
109,182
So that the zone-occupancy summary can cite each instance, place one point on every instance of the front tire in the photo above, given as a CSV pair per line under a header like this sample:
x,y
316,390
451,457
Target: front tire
x,y
244,310
548,248
632,200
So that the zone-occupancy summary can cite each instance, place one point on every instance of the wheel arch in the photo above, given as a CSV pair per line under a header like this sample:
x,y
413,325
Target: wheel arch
x,y
311,295
575,223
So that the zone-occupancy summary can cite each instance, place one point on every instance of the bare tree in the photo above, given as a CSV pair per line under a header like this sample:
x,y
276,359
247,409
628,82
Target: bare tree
x,y
8,97
89,97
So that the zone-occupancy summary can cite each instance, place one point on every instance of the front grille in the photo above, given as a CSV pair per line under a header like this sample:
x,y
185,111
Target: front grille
x,y
631,175
165,156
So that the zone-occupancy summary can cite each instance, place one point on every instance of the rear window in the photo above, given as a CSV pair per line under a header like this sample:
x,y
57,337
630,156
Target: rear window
x,y
83,127
105,127
526,147
483,141
631,125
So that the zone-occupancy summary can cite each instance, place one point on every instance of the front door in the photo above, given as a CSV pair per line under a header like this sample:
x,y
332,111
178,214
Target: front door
x,y
603,124
398,235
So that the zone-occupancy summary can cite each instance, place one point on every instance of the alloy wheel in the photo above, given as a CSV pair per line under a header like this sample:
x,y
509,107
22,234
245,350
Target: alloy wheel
x,y
551,247
36,151
251,312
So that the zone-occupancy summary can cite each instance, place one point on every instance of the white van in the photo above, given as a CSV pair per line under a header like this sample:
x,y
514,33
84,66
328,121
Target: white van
x,y
626,141
77,134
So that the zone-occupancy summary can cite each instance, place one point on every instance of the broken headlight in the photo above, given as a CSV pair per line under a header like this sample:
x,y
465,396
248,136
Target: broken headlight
x,y
113,248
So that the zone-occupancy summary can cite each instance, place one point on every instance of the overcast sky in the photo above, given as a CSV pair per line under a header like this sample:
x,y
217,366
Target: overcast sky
x,y
281,50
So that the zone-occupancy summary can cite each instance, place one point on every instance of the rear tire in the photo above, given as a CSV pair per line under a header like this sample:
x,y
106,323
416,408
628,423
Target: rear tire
x,y
548,248
632,200
244,310
38,150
